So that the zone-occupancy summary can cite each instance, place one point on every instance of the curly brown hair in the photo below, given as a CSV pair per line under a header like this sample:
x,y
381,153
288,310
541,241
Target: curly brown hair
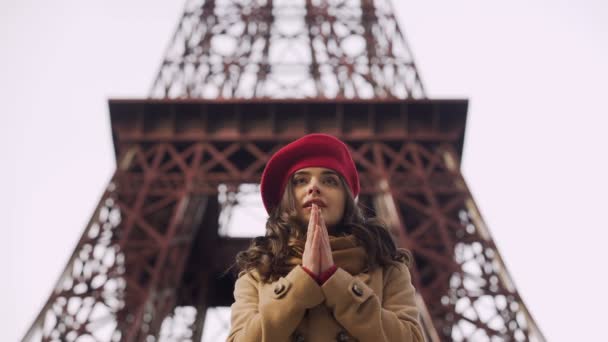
x,y
285,238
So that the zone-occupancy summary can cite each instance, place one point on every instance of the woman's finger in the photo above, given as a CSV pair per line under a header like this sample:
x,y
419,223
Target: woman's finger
x,y
321,220
311,226
314,252
327,257
322,240
324,232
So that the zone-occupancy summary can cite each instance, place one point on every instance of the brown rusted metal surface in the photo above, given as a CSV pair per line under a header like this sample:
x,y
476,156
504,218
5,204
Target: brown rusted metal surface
x,y
288,49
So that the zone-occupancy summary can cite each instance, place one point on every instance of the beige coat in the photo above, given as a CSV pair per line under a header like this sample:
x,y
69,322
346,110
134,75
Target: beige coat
x,y
353,305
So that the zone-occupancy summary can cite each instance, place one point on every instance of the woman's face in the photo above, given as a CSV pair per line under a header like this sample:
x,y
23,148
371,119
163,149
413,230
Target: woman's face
x,y
323,187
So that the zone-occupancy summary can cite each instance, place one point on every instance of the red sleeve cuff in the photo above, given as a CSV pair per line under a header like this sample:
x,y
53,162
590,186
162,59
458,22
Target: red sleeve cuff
x,y
310,273
327,274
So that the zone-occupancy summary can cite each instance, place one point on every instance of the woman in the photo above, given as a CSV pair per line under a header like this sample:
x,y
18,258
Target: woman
x,y
322,272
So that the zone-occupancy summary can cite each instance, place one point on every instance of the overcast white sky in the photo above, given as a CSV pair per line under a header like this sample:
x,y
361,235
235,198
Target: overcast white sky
x,y
535,73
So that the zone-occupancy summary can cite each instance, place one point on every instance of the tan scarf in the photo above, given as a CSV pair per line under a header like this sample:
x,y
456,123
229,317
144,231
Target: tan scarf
x,y
348,254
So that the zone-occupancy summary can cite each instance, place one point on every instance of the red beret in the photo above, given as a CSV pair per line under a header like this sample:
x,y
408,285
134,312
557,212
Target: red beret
x,y
312,150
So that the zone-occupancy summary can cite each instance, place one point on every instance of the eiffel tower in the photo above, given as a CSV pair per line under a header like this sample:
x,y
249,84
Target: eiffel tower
x,y
241,78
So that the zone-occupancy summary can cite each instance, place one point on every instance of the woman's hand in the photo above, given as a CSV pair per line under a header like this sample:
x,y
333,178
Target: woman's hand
x,y
317,255
327,259
310,257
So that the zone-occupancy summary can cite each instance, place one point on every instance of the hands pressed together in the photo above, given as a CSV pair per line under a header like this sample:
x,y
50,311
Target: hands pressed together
x,y
317,257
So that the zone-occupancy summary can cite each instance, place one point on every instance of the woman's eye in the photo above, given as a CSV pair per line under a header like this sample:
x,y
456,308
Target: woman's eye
x,y
299,181
331,181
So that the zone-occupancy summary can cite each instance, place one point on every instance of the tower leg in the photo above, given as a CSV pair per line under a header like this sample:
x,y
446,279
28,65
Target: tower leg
x,y
458,270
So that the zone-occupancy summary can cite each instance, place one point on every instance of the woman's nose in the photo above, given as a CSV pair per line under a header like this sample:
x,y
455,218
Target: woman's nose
x,y
314,188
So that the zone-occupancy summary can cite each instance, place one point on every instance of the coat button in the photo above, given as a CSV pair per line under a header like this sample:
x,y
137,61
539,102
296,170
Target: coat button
x,y
357,290
297,337
278,288
342,337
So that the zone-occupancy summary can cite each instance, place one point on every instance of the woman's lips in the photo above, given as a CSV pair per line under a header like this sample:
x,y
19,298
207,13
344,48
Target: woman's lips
x,y
320,203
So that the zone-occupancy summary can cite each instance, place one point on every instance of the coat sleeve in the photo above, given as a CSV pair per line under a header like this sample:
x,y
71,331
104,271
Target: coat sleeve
x,y
271,313
359,310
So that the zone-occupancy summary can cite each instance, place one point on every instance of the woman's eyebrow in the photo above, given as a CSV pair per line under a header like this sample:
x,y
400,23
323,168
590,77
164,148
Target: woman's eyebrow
x,y
307,173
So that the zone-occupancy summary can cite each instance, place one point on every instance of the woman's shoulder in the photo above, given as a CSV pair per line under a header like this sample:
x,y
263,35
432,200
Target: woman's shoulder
x,y
398,270
252,273
394,266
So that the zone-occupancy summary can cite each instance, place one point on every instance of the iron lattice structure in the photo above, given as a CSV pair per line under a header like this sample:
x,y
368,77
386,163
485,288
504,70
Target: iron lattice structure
x,y
288,49
150,263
